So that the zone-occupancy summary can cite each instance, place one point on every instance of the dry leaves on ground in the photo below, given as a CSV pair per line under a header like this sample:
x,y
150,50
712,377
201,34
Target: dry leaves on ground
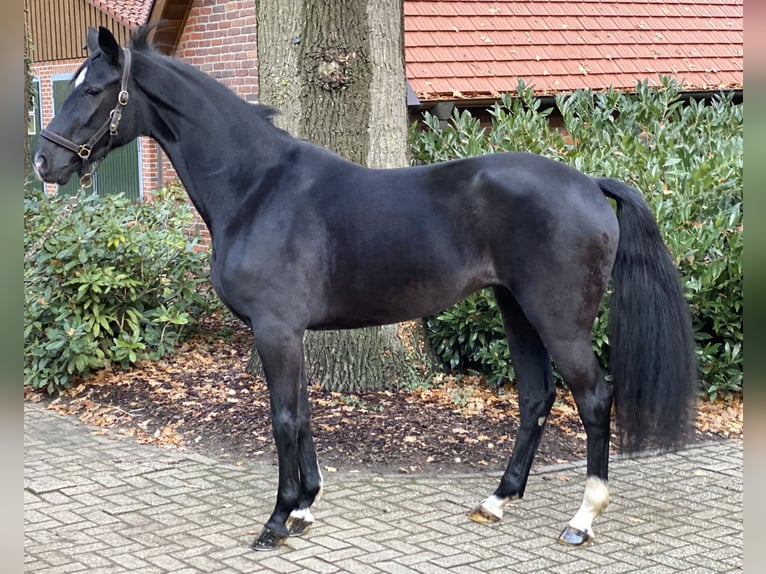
x,y
202,398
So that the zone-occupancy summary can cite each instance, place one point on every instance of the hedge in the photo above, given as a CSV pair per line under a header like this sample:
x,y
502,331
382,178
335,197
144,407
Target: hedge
x,y
107,281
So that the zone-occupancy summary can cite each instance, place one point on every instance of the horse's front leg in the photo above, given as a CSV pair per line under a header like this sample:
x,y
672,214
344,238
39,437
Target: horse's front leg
x,y
281,350
301,519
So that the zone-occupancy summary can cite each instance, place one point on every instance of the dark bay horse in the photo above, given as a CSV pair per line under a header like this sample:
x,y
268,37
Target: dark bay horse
x,y
302,239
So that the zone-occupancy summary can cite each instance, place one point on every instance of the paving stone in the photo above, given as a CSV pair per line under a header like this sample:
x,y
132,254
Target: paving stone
x,y
106,504
359,568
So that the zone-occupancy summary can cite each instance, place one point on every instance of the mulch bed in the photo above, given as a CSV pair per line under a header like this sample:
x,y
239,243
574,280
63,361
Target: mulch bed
x,y
202,399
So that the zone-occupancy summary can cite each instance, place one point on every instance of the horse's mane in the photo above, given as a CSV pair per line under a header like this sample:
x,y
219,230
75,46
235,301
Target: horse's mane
x,y
267,112
140,40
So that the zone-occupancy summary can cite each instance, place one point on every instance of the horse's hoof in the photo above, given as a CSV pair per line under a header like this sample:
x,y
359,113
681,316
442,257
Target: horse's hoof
x,y
268,540
571,536
298,526
483,516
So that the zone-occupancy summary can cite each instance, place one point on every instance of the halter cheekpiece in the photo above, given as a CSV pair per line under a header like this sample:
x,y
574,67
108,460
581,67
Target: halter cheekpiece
x,y
83,151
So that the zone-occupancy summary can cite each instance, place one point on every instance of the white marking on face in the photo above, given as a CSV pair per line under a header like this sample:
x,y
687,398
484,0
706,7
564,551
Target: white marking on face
x,y
594,502
80,77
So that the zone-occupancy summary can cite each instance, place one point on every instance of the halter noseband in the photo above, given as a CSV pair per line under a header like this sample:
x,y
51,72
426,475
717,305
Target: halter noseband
x,y
113,121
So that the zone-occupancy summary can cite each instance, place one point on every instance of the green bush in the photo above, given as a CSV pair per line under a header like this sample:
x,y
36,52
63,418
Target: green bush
x,y
112,282
469,337
687,159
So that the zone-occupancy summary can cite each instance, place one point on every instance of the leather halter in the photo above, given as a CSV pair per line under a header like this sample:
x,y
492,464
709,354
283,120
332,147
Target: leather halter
x,y
83,151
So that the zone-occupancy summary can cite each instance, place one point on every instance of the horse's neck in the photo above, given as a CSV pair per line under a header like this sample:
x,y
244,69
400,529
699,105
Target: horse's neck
x,y
202,130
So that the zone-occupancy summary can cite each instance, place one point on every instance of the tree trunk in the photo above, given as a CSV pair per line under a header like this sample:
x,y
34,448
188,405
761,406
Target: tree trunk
x,y
335,70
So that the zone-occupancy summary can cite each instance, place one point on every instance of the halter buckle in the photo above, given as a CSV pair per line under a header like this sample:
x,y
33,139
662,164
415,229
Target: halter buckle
x,y
86,180
84,151
123,97
115,116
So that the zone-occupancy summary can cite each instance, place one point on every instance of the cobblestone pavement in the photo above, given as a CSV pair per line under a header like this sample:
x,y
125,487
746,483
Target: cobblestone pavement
x,y
101,504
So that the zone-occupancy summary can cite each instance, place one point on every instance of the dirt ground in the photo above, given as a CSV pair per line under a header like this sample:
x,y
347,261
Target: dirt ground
x,y
203,400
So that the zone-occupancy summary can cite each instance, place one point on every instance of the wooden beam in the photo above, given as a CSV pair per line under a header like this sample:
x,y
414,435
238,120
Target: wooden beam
x,y
171,16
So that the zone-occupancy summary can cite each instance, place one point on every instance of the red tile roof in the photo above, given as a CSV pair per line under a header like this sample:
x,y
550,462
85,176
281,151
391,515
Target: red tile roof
x,y
463,49
476,49
130,12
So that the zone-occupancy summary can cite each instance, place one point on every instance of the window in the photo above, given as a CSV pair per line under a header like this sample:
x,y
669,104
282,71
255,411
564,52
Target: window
x,y
33,112
32,122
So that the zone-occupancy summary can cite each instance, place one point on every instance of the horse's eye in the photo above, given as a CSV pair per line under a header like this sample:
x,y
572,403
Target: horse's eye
x,y
92,91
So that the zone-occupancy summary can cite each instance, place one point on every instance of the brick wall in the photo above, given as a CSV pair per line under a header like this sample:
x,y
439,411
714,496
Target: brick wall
x,y
220,40
151,156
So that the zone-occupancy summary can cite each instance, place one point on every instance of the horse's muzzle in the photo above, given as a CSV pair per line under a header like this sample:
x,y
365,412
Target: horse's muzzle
x,y
42,167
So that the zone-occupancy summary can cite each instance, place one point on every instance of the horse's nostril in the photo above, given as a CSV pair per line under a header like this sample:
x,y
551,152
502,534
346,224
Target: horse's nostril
x,y
39,164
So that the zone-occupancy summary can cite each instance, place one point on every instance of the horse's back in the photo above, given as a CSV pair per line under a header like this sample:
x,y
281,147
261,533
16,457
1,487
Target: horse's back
x,y
522,205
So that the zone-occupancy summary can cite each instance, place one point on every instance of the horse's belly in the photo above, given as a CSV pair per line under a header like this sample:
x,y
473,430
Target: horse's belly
x,y
394,302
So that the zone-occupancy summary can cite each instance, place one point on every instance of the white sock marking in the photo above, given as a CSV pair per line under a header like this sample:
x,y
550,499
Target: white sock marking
x,y
594,502
303,514
494,505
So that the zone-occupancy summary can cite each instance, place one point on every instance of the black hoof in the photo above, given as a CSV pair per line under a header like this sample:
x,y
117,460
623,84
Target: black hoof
x,y
574,537
298,526
268,540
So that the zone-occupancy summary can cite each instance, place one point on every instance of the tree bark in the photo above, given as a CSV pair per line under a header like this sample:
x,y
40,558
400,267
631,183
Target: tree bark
x,y
279,37
335,70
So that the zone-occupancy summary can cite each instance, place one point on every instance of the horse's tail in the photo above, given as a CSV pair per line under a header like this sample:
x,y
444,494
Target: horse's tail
x,y
651,341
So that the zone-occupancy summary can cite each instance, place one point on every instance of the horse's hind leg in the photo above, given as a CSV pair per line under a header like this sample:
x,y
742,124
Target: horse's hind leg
x,y
301,519
536,395
564,319
593,395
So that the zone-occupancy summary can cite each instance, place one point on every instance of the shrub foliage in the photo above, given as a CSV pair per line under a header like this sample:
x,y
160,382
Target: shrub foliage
x,y
687,159
111,282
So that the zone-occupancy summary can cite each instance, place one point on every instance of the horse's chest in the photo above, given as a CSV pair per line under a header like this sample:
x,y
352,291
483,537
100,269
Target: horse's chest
x,y
225,278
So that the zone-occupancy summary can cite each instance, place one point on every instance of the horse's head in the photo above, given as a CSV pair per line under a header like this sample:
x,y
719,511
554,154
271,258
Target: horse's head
x,y
86,127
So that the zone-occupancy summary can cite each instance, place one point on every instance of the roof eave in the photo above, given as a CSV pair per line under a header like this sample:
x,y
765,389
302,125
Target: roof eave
x,y
428,100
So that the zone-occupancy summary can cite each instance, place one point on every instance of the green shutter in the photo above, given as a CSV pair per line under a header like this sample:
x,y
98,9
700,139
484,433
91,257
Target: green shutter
x,y
118,173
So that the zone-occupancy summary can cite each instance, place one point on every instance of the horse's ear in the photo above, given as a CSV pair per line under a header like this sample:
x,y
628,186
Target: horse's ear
x,y
92,39
109,46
